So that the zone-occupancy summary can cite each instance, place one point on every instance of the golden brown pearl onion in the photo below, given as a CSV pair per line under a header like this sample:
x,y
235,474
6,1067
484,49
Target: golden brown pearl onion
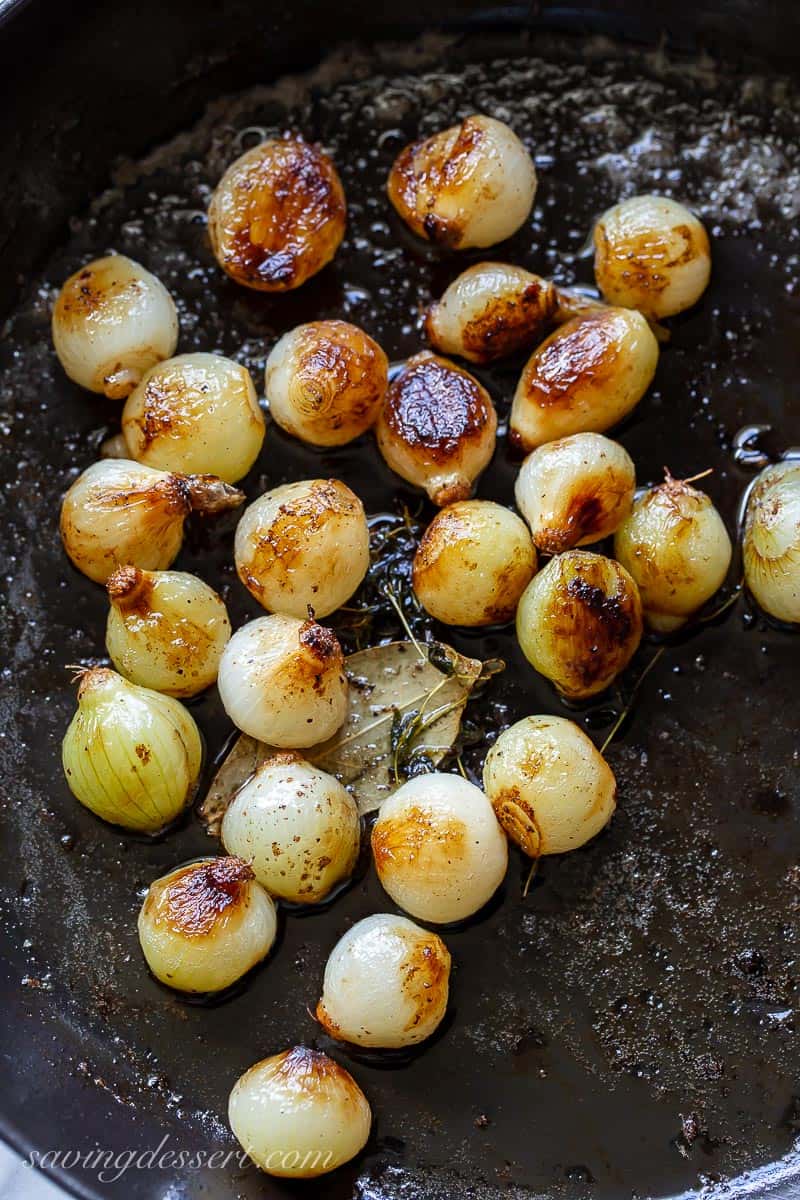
x,y
771,547
282,681
439,851
652,254
197,414
204,925
550,787
579,622
676,547
278,215
386,983
296,826
575,490
166,630
299,1114
120,513
473,563
471,185
490,311
113,320
325,382
302,545
584,378
437,427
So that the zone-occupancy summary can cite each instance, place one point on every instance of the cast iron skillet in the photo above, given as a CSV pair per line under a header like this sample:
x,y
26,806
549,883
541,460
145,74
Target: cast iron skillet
x,y
629,1028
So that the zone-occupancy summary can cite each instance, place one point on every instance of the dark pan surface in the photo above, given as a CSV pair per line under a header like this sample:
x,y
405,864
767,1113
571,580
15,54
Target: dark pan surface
x,y
630,1028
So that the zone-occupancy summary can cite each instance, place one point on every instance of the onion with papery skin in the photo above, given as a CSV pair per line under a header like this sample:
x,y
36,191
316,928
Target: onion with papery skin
x,y
386,983
549,785
112,321
166,630
296,826
299,1114
325,382
473,563
471,185
439,851
131,755
120,513
206,924
584,378
302,545
437,427
282,681
491,310
676,547
195,414
652,254
579,622
278,215
771,545
575,490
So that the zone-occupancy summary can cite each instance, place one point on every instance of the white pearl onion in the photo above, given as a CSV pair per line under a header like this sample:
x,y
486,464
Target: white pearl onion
x,y
439,851
195,414
676,547
575,490
437,427
277,215
491,310
302,545
551,788
113,320
386,983
471,185
771,546
325,382
166,630
204,925
584,378
282,681
473,563
579,622
652,254
296,826
299,1114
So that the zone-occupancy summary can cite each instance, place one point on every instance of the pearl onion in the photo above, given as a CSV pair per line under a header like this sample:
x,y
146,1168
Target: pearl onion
x,y
584,378
204,925
113,320
303,544
471,185
491,310
325,382
166,630
439,851
676,547
474,562
579,622
296,826
299,1114
120,512
278,215
551,788
771,546
386,983
437,427
575,490
282,681
652,254
197,414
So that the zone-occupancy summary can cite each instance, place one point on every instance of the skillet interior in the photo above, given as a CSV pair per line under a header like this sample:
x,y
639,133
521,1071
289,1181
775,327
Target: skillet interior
x,y
647,978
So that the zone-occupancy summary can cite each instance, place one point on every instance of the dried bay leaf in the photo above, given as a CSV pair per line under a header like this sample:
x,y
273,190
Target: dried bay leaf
x,y
406,703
